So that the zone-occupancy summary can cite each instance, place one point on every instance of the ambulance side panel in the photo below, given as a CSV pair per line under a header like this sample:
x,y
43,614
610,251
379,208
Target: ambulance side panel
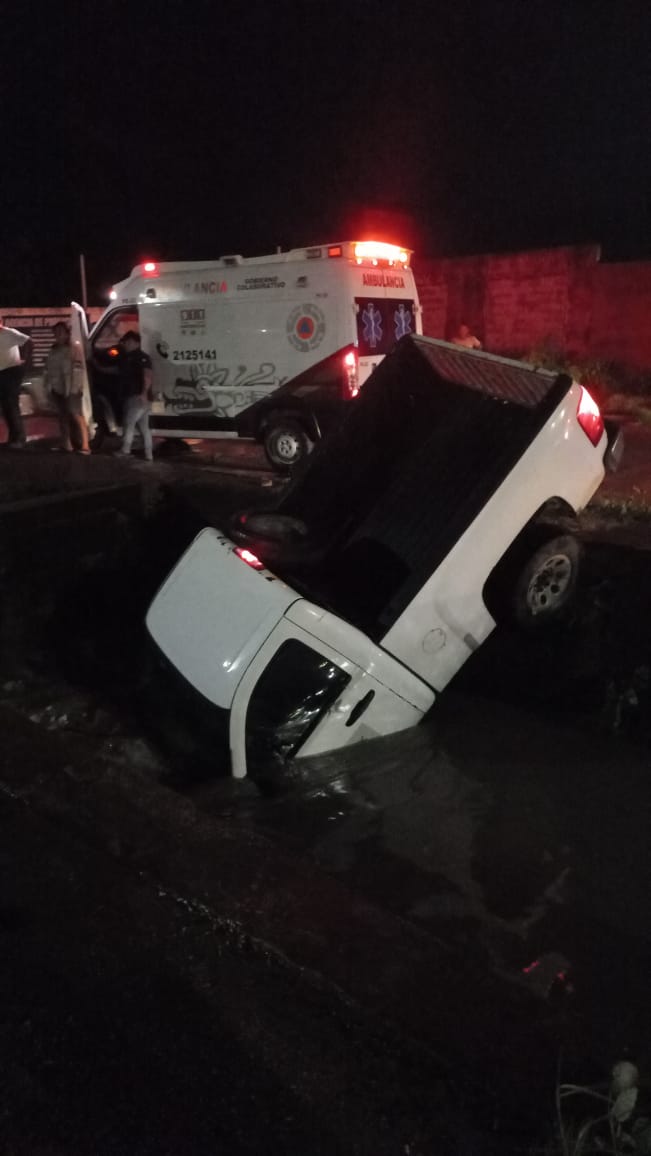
x,y
211,361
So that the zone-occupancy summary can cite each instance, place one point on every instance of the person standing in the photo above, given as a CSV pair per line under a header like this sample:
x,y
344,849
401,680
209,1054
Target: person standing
x,y
134,367
66,391
465,338
12,367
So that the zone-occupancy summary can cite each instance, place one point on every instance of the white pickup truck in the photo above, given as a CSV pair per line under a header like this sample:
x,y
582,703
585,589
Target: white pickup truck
x,y
342,613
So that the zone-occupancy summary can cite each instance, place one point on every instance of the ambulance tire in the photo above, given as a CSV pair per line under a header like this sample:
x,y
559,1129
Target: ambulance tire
x,y
286,443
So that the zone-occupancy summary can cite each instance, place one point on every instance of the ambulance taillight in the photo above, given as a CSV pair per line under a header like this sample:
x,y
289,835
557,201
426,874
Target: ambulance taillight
x,y
350,370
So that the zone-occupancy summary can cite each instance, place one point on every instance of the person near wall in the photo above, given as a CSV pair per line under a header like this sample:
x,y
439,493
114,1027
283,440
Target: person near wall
x,y
465,338
63,385
134,367
12,366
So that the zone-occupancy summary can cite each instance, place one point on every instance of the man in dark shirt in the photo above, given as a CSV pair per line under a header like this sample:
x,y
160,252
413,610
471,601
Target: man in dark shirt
x,y
134,368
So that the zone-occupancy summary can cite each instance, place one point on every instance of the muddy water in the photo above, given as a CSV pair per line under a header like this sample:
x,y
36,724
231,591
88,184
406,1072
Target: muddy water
x,y
519,843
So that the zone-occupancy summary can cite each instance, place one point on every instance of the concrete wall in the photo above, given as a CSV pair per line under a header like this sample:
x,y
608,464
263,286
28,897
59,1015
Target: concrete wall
x,y
562,297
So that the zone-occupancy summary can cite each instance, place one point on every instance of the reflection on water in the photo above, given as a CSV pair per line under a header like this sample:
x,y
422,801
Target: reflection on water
x,y
515,843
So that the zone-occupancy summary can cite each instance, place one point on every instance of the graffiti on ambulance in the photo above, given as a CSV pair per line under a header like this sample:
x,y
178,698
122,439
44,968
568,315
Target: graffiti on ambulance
x,y
220,390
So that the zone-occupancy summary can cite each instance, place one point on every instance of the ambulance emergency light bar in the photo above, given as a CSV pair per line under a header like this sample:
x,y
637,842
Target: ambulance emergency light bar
x,y
377,251
373,252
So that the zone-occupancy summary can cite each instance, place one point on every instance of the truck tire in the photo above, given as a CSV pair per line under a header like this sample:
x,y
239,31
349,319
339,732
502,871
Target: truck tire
x,y
534,583
286,443
546,584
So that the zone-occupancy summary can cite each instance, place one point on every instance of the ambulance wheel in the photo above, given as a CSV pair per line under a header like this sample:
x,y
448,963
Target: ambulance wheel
x,y
286,443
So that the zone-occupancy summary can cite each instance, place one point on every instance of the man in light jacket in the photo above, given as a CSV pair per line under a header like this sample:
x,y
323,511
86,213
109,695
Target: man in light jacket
x,y
62,383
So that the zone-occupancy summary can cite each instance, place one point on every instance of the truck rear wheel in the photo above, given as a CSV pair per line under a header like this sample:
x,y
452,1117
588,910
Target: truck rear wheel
x,y
535,582
547,582
286,443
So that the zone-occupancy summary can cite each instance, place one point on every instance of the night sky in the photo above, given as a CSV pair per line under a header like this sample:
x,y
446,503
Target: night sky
x,y
199,128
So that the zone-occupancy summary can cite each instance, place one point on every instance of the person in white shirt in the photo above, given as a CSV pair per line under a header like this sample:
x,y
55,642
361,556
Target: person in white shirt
x,y
12,366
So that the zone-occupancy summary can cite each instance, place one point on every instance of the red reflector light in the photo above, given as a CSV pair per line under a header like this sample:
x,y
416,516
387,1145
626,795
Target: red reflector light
x,y
113,351
350,371
249,557
335,251
589,417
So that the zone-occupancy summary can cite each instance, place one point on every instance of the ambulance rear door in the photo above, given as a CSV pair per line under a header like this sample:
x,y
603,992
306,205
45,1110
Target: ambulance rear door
x,y
386,309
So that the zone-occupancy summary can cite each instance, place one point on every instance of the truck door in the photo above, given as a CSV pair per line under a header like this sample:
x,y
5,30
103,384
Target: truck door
x,y
79,346
102,353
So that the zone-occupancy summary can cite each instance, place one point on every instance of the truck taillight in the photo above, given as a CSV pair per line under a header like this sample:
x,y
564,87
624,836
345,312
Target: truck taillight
x,y
249,557
589,417
350,368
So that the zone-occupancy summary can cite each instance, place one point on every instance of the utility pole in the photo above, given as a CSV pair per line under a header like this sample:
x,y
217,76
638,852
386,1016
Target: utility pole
x,y
82,272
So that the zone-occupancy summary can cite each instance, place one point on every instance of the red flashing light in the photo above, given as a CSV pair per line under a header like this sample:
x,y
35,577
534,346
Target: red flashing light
x,y
335,251
376,251
150,269
350,370
113,351
589,417
249,557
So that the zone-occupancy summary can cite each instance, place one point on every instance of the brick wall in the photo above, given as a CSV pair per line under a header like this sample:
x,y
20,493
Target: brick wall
x,y
565,297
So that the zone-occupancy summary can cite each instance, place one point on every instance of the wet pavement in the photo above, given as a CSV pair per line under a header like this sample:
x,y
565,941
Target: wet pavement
x,y
471,896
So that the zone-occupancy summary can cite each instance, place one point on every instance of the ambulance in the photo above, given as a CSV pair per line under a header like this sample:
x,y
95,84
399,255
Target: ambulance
x,y
260,347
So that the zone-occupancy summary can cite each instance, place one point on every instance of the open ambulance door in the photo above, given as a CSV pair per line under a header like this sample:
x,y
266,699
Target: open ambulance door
x,y
79,346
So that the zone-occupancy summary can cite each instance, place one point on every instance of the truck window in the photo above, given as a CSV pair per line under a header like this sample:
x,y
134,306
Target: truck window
x,y
275,725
